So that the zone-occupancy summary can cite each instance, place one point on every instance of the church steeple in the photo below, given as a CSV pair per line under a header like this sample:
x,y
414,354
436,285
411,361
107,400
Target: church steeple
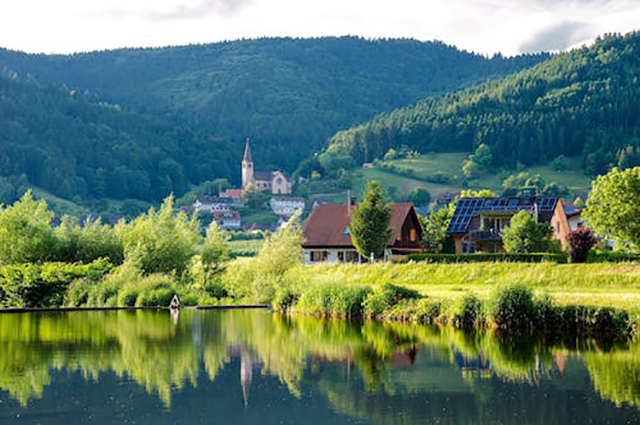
x,y
247,153
247,166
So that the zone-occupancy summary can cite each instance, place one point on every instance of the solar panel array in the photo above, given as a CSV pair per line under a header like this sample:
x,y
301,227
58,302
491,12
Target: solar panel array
x,y
469,207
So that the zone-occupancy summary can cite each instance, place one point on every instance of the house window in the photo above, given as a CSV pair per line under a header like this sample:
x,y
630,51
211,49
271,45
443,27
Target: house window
x,y
341,257
412,235
319,256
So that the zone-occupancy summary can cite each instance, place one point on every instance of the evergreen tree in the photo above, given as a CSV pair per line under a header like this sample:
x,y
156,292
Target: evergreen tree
x,y
369,226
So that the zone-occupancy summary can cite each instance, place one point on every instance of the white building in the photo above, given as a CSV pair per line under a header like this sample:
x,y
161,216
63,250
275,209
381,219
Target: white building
x,y
286,206
228,220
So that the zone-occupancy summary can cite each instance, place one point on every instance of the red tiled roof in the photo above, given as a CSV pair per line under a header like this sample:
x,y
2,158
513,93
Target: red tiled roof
x,y
327,223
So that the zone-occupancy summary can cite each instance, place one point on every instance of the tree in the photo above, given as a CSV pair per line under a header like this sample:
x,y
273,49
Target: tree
x,y
482,156
25,231
420,196
471,169
613,207
254,196
526,235
160,241
87,243
559,163
369,226
216,248
581,241
435,228
282,250
482,193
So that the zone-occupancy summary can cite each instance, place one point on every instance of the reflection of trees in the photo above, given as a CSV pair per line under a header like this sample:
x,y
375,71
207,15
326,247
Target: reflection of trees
x,y
143,345
351,363
616,374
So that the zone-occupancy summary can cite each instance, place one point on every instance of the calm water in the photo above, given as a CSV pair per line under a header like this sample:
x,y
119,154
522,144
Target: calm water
x,y
253,367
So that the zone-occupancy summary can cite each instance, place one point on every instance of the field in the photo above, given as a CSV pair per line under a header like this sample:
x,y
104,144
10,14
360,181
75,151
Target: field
x,y
600,285
451,165
246,248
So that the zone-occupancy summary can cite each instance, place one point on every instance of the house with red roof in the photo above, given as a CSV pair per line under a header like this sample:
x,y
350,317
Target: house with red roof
x,y
328,240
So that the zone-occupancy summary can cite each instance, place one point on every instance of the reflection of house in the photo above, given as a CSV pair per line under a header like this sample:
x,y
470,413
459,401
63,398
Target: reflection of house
x,y
228,220
275,182
210,204
286,206
477,223
328,240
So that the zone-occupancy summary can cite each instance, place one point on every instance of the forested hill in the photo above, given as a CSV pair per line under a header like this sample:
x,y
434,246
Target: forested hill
x,y
76,148
583,102
289,95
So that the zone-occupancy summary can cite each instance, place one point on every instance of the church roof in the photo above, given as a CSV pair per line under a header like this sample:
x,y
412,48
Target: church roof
x,y
247,153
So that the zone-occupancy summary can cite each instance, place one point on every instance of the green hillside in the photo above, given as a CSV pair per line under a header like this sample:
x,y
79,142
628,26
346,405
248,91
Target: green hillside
x,y
584,103
419,172
288,95
79,149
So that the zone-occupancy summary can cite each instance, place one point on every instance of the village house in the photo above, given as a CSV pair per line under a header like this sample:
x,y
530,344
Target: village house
x,y
210,204
228,220
477,223
327,237
286,206
274,182
233,194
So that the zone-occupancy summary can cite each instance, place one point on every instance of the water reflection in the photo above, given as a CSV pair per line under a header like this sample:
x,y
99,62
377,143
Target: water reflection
x,y
369,371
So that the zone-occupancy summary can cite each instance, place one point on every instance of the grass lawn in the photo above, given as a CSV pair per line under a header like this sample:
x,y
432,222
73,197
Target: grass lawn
x,y
603,284
260,217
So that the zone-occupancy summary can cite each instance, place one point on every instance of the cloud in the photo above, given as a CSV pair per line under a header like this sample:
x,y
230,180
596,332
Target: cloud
x,y
558,36
194,10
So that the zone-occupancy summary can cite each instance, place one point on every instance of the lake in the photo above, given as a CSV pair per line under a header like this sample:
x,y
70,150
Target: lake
x,y
256,367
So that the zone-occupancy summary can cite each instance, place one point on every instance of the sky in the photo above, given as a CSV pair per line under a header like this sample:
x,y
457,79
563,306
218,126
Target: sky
x,y
485,26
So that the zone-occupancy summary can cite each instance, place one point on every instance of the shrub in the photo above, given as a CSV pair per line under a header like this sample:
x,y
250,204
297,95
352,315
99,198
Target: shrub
x,y
580,241
469,312
526,235
216,290
489,258
386,296
611,257
333,300
284,299
78,292
44,285
513,307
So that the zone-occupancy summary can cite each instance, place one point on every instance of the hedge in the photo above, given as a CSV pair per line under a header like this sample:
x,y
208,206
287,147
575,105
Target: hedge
x,y
488,258
611,257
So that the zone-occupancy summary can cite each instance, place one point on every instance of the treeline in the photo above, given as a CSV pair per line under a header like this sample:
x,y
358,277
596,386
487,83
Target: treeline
x,y
583,102
288,95
77,148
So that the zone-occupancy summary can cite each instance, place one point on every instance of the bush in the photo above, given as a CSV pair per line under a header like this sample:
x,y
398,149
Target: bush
x,y
489,258
78,292
216,290
469,312
44,285
513,308
580,241
284,299
611,257
333,300
385,297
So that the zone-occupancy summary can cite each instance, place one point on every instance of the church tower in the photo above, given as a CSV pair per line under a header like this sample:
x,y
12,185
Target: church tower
x,y
247,167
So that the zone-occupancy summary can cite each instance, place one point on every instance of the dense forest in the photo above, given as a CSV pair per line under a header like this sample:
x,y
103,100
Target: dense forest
x,y
75,147
583,102
288,95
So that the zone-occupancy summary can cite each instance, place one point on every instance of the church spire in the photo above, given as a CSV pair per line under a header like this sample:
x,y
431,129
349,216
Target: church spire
x,y
247,153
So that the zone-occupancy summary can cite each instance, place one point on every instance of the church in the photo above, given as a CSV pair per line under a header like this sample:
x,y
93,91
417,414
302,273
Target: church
x,y
275,182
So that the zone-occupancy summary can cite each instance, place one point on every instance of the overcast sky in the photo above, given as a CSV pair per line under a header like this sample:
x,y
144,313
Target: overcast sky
x,y
487,26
